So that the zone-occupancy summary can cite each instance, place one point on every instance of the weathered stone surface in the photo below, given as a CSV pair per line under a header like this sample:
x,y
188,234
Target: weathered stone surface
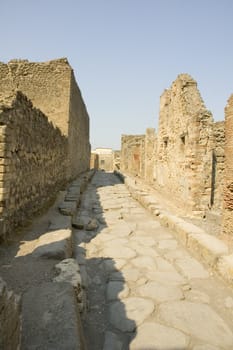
x,y
198,320
165,277
10,318
228,179
116,290
68,208
207,246
126,315
60,222
114,265
159,292
156,336
54,245
206,347
68,271
121,229
169,244
57,323
126,274
225,267
112,341
118,252
191,268
145,262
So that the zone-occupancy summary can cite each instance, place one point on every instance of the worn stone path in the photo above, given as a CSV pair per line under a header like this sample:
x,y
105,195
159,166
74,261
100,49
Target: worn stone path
x,y
145,291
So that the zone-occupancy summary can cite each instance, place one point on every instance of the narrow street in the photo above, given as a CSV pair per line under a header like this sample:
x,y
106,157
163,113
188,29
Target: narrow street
x,y
145,291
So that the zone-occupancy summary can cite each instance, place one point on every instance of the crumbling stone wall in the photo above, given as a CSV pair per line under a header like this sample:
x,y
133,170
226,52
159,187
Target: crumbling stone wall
x,y
10,321
184,146
150,155
228,179
33,160
218,165
133,154
52,88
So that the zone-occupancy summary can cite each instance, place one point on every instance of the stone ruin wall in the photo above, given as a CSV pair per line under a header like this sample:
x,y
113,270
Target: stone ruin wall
x,y
150,155
33,161
228,178
185,160
184,146
133,155
52,88
78,131
10,319
218,166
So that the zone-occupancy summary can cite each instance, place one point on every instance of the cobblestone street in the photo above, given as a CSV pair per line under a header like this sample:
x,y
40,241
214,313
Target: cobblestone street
x,y
145,291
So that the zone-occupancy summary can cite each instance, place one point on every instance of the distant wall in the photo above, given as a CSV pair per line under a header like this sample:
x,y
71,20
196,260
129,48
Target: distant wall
x,y
52,88
133,154
94,161
228,178
10,322
33,160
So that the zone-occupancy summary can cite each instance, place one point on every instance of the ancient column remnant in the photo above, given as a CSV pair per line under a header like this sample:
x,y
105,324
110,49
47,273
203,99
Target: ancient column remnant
x,y
228,179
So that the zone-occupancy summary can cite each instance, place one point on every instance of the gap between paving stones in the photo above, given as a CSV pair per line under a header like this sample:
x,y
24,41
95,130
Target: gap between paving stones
x,y
211,250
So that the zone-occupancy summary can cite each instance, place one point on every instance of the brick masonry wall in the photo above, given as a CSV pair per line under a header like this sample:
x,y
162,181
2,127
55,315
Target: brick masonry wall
x,y
10,321
33,160
228,178
52,88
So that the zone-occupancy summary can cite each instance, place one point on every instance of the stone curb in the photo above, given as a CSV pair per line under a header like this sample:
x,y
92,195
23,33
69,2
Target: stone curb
x,y
207,248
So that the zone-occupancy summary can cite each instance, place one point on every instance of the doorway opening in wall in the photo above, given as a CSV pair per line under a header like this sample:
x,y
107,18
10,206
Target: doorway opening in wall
x,y
102,164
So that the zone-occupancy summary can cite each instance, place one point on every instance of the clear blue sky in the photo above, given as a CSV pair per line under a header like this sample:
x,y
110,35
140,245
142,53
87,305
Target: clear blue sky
x,y
126,52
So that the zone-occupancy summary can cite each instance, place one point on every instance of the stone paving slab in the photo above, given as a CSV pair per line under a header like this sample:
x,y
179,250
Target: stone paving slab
x,y
208,248
155,293
50,318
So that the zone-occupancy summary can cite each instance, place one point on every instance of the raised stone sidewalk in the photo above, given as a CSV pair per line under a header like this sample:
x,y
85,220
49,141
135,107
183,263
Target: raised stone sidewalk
x,y
202,244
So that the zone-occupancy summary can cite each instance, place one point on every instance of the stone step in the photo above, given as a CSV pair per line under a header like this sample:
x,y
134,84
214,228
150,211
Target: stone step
x,y
50,318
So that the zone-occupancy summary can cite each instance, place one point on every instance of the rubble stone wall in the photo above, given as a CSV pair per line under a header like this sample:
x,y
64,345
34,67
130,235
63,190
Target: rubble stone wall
x,y
228,178
10,320
184,146
52,88
185,159
33,160
78,131
150,155
218,165
133,155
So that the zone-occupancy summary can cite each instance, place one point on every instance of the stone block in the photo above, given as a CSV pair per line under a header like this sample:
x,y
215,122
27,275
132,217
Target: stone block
x,y
54,245
207,247
51,319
